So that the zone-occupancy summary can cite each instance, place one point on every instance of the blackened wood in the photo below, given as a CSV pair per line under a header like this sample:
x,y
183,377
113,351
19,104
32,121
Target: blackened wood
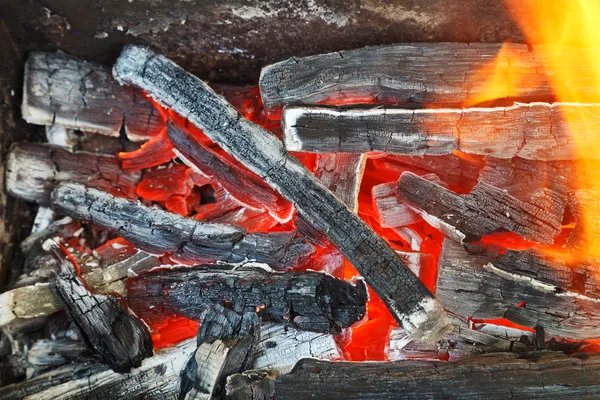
x,y
486,209
186,239
34,170
62,90
308,300
391,210
411,303
536,131
524,287
254,384
342,174
46,354
493,376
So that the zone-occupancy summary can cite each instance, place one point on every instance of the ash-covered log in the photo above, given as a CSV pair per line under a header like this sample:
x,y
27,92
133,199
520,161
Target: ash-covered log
x,y
307,300
342,174
485,210
525,287
186,239
411,303
33,170
536,131
411,73
62,90
254,384
114,334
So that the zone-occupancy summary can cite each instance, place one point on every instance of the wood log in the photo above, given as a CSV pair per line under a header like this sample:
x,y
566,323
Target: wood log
x,y
254,384
342,174
485,210
62,90
524,287
535,131
307,300
408,299
411,73
185,239
34,170
491,376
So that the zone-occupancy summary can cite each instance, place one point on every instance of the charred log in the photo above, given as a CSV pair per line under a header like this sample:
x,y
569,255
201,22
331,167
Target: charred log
x,y
342,174
408,299
255,384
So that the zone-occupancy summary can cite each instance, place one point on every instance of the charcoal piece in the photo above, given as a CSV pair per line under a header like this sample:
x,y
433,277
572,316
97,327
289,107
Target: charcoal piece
x,y
227,342
27,303
524,287
307,300
34,170
342,174
62,90
412,73
46,354
411,303
491,376
188,240
244,186
485,210
585,209
392,211
114,334
254,384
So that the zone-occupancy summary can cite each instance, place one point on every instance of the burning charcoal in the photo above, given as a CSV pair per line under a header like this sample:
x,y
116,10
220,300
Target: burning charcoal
x,y
522,286
342,174
307,300
583,204
34,170
255,384
115,334
411,303
391,211
62,90
154,152
188,240
485,210
425,73
246,187
227,342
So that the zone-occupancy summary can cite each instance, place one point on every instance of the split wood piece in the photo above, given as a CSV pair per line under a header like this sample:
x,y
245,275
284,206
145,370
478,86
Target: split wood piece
x,y
409,301
34,170
342,174
244,186
227,342
545,375
186,239
485,210
254,384
523,287
114,334
62,90
307,300
411,73
535,131
585,208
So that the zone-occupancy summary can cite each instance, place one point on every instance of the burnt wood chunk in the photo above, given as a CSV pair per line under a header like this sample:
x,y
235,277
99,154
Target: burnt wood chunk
x,y
308,300
535,131
35,169
62,90
485,210
114,334
391,210
411,73
254,384
186,239
525,287
342,174
545,375
409,301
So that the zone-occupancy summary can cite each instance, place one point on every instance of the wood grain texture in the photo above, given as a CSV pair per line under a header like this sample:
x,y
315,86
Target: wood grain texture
x,y
408,299
342,174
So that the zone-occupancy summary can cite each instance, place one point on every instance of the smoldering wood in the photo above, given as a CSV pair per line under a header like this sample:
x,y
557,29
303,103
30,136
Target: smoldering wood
x,y
307,300
342,174
391,210
254,384
48,354
535,131
188,240
562,300
486,209
62,90
411,73
584,207
35,169
411,303
491,376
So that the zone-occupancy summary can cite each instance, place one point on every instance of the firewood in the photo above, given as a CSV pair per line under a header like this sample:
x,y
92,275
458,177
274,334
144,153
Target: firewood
x,y
107,326
62,90
254,384
186,239
411,303
307,300
536,131
34,170
412,73
485,210
48,354
342,174
525,287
